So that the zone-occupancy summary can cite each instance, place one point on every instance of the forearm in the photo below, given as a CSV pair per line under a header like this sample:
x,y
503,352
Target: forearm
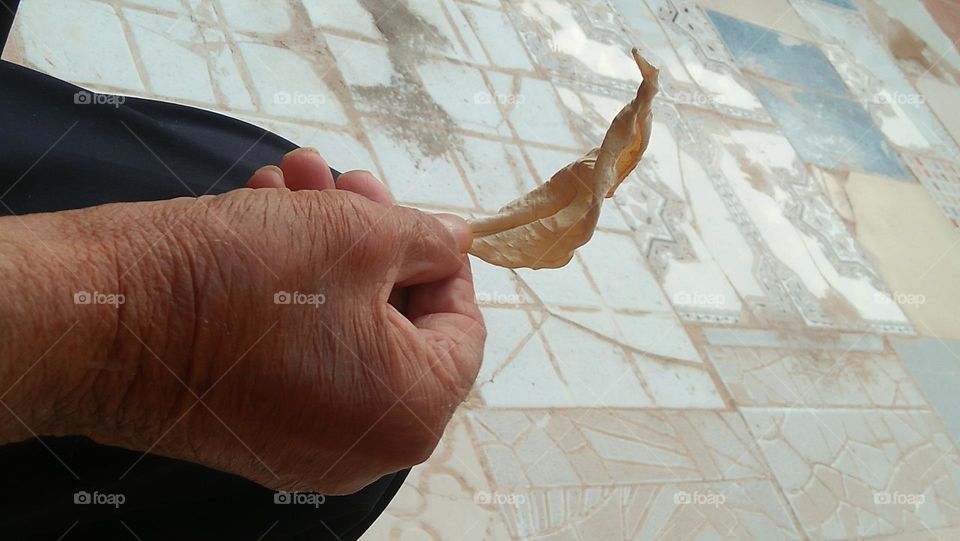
x,y
60,306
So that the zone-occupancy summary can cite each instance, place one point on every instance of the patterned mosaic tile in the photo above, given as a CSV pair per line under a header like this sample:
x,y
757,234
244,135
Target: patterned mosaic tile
x,y
772,377
629,475
702,53
526,449
449,497
942,181
875,80
577,41
861,473
828,131
777,55
732,216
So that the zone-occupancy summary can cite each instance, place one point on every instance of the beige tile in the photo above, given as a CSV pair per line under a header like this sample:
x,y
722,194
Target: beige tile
x,y
447,497
603,448
913,247
943,99
861,473
776,14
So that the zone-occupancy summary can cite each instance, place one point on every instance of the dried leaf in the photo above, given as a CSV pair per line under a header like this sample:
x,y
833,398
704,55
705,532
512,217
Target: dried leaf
x,y
543,228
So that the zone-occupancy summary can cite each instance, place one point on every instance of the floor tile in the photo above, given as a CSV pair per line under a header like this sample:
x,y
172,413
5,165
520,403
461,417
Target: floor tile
x,y
49,43
875,80
414,176
912,246
935,365
344,15
449,497
773,377
942,181
760,338
612,448
845,4
496,171
861,473
829,131
727,208
777,56
256,16
775,14
941,97
175,70
722,510
498,38
533,109
289,86
462,92
577,41
702,52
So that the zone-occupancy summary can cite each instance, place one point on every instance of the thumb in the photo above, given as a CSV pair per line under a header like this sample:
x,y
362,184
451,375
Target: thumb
x,y
432,246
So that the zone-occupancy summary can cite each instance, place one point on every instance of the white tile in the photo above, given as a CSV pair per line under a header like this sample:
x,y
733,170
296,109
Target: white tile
x,y
175,69
362,63
343,14
496,171
534,110
415,177
433,14
566,286
256,16
584,371
290,86
463,94
498,37
51,30
618,267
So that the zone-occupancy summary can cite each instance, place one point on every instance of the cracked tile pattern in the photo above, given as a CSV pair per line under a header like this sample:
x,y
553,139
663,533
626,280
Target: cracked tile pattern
x,y
851,474
776,377
716,363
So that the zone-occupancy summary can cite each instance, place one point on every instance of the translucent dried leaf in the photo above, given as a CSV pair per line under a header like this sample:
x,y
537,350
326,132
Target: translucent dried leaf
x,y
544,227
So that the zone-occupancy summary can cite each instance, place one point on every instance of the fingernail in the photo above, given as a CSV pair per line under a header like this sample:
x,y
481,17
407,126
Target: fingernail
x,y
459,228
302,149
271,169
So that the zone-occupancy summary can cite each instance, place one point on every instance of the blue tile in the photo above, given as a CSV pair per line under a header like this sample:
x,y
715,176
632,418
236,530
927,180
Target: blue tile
x,y
935,365
845,4
776,56
831,132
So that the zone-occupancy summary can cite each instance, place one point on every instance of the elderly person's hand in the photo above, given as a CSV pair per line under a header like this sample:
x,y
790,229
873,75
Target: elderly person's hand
x,y
307,339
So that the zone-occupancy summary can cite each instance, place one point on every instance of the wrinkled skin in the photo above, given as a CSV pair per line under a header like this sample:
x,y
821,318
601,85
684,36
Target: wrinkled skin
x,y
200,362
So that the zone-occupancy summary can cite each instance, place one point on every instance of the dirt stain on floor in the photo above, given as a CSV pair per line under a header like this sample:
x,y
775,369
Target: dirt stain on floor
x,y
409,112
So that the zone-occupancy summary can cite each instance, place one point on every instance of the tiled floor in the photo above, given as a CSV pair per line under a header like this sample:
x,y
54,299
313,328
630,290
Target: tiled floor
x,y
735,353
